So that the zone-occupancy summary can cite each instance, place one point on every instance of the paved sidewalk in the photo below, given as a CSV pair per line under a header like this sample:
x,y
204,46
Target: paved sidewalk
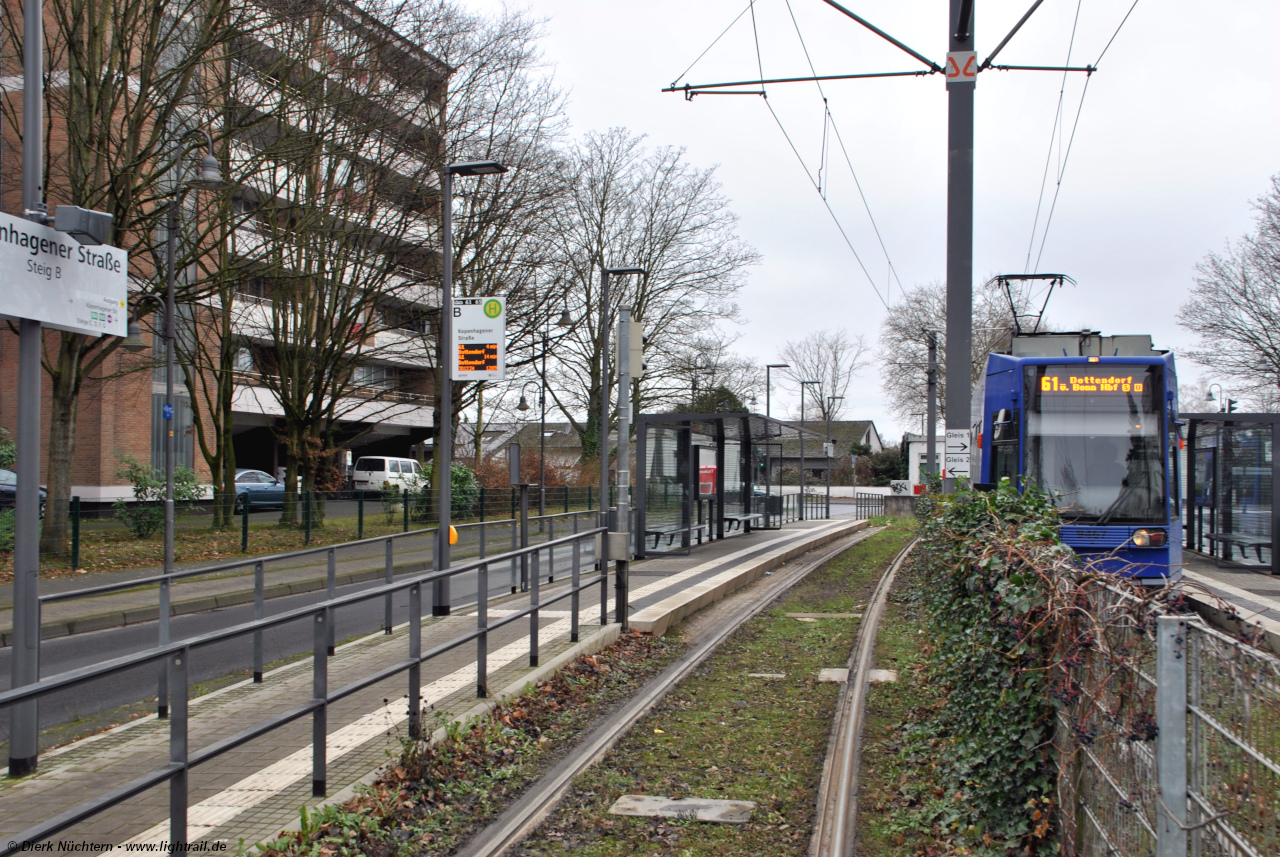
x,y
254,791
1255,595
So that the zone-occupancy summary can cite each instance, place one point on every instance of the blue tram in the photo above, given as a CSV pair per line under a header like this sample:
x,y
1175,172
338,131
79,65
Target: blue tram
x,y
1092,421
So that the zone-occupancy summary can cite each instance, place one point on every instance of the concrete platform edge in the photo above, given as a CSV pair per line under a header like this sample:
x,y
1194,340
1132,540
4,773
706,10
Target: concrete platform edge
x,y
657,618
1223,621
605,637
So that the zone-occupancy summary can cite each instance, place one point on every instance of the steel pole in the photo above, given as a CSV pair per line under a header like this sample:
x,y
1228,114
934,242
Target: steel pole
x,y
802,450
171,238
959,232
768,389
24,746
624,464
444,402
542,434
931,416
604,400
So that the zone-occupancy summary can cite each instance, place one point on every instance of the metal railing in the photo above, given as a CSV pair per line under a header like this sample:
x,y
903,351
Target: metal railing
x,y
329,517
868,505
476,536
1170,738
174,658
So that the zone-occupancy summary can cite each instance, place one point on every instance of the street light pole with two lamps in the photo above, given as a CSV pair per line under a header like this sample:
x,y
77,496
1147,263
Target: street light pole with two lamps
x,y
209,178
443,471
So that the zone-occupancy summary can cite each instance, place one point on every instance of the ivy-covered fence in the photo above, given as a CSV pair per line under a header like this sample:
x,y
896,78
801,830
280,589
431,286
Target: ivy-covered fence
x,y
1082,714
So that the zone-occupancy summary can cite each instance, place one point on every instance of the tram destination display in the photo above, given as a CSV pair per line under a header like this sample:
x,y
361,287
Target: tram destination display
x,y
1092,381
479,348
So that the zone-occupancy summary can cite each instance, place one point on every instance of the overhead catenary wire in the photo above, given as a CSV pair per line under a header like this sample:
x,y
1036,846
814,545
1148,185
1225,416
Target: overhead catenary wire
x,y
1053,133
835,130
716,40
1064,157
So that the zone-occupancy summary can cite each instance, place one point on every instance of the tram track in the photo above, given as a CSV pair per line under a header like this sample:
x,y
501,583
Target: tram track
x,y
522,818
835,825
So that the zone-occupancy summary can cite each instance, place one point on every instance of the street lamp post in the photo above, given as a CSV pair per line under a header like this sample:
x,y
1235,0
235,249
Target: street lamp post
x,y
443,474
768,386
542,434
604,387
803,384
209,178
831,400
1220,400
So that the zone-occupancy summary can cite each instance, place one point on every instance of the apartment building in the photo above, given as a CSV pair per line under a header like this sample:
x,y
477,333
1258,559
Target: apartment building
x,y
313,281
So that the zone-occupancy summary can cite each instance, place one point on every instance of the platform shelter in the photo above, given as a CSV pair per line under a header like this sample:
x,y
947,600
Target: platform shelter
x,y
1231,473
703,477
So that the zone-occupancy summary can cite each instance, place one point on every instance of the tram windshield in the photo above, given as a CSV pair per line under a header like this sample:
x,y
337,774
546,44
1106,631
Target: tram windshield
x,y
1094,440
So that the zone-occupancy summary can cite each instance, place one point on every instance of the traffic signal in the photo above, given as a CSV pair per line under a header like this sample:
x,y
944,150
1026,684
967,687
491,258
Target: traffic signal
x,y
1231,405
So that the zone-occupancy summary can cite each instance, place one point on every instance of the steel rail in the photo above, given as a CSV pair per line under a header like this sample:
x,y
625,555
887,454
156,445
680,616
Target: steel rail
x,y
522,817
105,668
835,825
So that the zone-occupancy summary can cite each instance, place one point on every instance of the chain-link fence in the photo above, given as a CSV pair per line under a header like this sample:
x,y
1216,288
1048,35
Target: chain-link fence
x,y
1170,736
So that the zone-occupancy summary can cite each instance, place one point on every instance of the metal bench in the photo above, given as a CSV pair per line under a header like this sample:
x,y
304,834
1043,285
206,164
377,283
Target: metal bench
x,y
1234,540
671,533
753,518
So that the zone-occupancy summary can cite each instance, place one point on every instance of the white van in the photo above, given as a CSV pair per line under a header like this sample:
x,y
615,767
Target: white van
x,y
374,471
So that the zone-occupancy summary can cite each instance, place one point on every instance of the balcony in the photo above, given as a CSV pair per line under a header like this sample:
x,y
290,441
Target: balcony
x,y
250,395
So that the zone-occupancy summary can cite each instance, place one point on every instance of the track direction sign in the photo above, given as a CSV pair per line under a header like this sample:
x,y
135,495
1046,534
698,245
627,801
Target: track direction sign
x,y
479,348
956,455
51,278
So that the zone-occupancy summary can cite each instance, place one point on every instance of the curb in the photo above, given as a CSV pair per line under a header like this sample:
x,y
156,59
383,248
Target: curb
x,y
1229,623
605,637
657,618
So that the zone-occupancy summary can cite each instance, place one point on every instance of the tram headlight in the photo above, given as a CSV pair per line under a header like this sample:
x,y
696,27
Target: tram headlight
x,y
1149,538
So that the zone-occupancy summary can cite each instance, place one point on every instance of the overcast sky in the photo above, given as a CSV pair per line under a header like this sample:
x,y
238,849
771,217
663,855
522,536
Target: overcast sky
x,y
1179,131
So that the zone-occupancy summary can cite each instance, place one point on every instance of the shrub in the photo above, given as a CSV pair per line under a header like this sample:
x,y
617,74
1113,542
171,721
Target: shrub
x,y
6,530
8,449
989,565
145,514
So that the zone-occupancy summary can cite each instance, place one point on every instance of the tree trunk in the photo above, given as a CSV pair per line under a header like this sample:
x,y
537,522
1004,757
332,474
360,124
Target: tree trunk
x,y
64,395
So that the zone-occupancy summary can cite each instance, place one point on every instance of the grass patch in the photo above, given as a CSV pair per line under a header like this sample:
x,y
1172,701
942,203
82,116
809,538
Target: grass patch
x,y
721,734
437,794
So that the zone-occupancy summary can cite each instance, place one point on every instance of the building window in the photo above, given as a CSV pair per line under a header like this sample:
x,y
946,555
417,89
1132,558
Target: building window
x,y
244,359
375,377
183,435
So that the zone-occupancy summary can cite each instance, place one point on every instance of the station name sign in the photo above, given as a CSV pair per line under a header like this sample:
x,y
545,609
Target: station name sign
x,y
51,278
1091,383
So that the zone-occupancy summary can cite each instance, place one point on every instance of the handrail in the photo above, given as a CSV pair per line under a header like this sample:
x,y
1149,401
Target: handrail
x,y
122,585
177,657
99,670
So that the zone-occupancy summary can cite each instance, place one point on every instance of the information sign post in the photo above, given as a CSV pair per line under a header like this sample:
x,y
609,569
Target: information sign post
x,y
957,453
479,348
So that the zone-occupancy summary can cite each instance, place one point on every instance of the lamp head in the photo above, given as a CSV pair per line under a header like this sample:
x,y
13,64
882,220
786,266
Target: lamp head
x,y
476,168
777,365
133,343
210,176
566,320
620,271
524,403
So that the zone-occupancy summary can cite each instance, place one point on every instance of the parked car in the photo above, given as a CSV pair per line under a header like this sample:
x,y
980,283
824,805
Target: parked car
x,y
373,472
9,490
259,490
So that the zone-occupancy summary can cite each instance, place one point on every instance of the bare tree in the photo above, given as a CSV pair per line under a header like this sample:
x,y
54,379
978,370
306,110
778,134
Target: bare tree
x,y
710,357
904,348
630,206
1234,308
830,357
122,76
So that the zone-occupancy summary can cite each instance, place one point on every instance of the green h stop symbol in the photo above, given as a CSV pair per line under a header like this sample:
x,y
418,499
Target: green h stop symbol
x,y
493,308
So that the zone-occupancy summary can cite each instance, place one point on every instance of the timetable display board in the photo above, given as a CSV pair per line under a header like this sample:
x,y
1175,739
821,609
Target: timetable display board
x,y
479,347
